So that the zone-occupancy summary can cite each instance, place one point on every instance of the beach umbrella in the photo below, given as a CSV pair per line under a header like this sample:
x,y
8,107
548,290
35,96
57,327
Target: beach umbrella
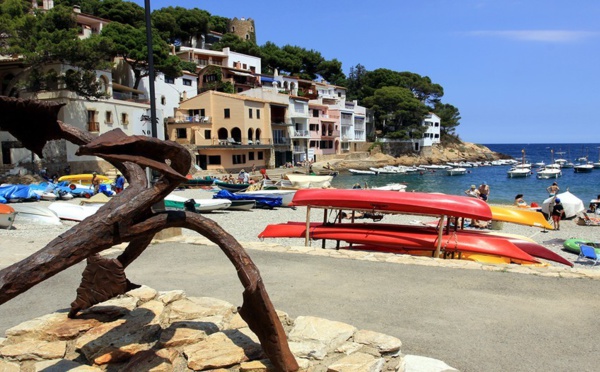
x,y
572,204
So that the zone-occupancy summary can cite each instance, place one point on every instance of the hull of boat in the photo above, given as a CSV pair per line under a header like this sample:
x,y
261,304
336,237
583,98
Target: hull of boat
x,y
84,179
572,245
583,168
7,216
175,202
198,182
242,205
305,181
404,239
73,212
394,202
231,187
521,217
286,195
36,213
362,172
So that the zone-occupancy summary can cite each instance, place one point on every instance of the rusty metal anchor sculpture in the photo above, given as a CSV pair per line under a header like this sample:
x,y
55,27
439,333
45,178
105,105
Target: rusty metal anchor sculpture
x,y
127,217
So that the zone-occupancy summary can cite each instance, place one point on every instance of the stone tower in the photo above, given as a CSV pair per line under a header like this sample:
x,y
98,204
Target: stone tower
x,y
243,28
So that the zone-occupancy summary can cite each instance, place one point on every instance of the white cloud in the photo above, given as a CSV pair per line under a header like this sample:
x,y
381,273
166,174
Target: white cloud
x,y
551,36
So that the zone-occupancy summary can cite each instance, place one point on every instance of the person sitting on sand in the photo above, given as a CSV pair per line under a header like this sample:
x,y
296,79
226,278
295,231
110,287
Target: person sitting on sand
x,y
472,191
520,202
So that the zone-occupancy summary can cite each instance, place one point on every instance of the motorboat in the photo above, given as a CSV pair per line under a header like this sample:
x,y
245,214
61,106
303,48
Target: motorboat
x,y
362,172
549,171
456,171
583,168
520,170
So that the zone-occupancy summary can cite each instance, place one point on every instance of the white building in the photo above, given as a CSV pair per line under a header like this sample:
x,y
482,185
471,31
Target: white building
x,y
432,134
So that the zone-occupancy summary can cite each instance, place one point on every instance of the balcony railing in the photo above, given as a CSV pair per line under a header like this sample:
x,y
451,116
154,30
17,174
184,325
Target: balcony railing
x,y
281,141
93,126
130,97
301,134
299,149
331,133
244,141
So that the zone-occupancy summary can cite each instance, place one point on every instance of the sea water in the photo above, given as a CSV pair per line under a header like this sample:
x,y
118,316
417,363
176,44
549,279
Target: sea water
x,y
585,186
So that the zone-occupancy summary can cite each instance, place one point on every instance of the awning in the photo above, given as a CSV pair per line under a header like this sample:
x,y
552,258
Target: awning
x,y
267,79
123,88
241,73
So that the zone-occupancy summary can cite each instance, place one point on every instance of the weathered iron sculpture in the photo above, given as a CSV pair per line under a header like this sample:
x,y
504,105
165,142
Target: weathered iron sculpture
x,y
128,217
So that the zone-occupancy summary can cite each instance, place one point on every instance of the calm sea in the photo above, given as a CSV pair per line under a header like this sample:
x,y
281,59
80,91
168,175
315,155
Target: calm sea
x,y
585,186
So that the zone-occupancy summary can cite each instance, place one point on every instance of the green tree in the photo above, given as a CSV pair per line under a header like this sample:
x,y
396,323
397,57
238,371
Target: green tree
x,y
398,112
237,44
130,43
332,72
449,116
355,81
181,25
218,24
43,38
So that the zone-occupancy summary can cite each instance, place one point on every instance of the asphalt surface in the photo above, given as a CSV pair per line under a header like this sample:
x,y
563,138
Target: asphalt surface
x,y
473,320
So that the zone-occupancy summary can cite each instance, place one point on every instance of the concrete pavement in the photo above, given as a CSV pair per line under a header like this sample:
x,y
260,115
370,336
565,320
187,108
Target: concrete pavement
x,y
474,320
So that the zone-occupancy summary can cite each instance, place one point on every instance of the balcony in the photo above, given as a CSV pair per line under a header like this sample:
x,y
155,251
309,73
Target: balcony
x,y
280,122
300,133
331,133
281,141
299,149
93,126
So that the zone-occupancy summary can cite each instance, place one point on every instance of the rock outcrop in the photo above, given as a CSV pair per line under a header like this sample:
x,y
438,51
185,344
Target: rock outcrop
x,y
147,330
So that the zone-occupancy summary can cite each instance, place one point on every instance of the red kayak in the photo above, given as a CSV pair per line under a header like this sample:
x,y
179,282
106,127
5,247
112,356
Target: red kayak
x,y
402,238
394,202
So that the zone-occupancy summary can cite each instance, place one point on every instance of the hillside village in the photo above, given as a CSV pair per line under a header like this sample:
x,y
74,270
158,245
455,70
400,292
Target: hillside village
x,y
271,121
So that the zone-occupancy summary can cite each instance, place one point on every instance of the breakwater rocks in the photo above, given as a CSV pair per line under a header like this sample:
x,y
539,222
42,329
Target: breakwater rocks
x,y
147,330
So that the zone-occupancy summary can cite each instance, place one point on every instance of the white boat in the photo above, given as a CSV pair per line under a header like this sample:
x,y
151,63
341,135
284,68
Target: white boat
x,y
456,171
305,181
36,213
583,168
242,205
388,169
362,172
7,216
285,195
178,203
392,186
519,172
73,212
549,171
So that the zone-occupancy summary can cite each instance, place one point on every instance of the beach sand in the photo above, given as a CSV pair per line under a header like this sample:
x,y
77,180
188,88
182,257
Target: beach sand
x,y
27,237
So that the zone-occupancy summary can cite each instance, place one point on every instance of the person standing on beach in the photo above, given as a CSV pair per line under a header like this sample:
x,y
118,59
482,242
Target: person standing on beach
x,y
553,189
484,191
557,212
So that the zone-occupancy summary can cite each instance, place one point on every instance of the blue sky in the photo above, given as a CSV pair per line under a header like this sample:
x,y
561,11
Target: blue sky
x,y
523,71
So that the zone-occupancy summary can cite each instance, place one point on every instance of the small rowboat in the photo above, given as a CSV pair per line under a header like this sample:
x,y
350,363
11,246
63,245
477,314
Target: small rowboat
x,y
572,245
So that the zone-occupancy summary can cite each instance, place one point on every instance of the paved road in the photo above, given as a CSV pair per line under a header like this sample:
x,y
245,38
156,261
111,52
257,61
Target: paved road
x,y
473,320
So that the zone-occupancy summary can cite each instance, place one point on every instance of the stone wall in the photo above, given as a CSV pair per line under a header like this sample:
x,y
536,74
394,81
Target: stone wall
x,y
167,331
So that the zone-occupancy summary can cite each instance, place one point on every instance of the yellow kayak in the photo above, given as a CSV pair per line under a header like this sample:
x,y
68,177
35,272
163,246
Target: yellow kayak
x,y
520,216
83,179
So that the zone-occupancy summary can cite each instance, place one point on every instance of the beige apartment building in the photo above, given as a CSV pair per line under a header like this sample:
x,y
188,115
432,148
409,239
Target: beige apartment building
x,y
224,132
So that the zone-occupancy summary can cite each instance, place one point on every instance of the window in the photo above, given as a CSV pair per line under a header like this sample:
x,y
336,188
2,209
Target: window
x,y
169,80
202,112
163,100
207,134
315,113
226,113
214,159
124,119
238,159
108,117
251,155
181,133
257,113
187,82
244,66
250,113
93,125
260,155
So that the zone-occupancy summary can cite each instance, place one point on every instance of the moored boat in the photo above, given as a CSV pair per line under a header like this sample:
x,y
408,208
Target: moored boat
x,y
7,216
456,171
362,172
179,203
